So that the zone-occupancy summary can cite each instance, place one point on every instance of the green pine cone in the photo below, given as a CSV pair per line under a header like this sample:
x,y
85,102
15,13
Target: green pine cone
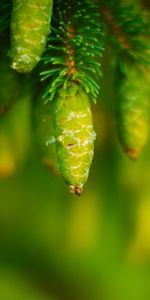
x,y
74,136
30,26
44,134
133,111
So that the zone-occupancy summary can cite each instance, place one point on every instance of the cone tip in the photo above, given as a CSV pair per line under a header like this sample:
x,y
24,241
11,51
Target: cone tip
x,y
77,190
132,153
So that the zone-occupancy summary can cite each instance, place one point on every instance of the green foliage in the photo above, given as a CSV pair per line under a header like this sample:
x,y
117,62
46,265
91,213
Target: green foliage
x,y
127,29
74,43
51,246
74,48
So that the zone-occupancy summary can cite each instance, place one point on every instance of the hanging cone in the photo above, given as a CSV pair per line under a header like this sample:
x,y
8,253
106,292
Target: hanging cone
x,y
30,26
133,111
74,134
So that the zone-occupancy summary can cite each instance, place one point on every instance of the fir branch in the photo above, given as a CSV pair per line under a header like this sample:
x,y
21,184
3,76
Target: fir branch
x,y
74,48
127,29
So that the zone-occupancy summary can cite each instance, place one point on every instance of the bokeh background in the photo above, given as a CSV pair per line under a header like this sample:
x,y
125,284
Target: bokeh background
x,y
56,246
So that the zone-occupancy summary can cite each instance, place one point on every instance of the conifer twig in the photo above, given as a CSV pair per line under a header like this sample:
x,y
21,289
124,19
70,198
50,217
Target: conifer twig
x,y
127,29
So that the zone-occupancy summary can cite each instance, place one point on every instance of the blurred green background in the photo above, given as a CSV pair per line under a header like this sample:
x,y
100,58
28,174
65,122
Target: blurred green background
x,y
56,246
